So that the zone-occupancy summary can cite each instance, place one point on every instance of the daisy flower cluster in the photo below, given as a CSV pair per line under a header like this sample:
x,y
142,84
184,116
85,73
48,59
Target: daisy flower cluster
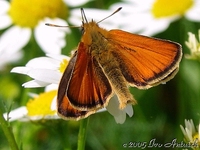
x,y
194,46
154,16
191,134
46,72
22,25
148,18
22,20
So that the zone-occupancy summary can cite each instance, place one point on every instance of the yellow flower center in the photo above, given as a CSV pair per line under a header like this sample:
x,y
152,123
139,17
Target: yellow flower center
x,y
63,65
166,8
27,13
196,140
41,105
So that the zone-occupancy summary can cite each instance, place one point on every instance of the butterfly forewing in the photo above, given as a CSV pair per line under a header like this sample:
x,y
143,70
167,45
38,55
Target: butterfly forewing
x,y
88,87
144,61
65,109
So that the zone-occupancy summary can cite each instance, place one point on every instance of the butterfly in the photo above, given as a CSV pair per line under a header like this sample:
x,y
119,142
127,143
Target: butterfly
x,y
107,63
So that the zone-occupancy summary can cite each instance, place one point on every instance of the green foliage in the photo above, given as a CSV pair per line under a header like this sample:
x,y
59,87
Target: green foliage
x,y
158,114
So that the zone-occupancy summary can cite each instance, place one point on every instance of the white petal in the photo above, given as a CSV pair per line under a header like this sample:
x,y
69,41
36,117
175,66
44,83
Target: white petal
x,y
34,84
16,114
113,109
51,39
58,57
183,130
32,95
101,110
4,6
55,116
120,118
194,13
21,70
140,11
51,87
155,26
43,62
75,3
45,75
113,106
5,21
54,104
189,134
129,110
14,39
10,58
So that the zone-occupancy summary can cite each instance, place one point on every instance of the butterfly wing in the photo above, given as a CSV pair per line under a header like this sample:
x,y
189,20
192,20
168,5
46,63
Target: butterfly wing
x,y
145,61
65,110
88,87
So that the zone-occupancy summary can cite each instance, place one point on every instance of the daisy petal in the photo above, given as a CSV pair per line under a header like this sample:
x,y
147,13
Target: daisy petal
x,y
21,70
51,87
58,57
120,118
51,39
129,110
76,3
54,104
5,21
194,13
34,84
4,6
10,40
113,109
45,75
16,114
43,62
11,57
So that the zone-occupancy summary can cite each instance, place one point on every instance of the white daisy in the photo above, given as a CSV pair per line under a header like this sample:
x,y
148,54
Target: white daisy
x,y
193,44
119,115
154,16
191,134
22,20
43,70
37,108
48,71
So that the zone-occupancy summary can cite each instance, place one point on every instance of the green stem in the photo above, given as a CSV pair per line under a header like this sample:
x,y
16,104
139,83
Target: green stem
x,y
8,132
82,133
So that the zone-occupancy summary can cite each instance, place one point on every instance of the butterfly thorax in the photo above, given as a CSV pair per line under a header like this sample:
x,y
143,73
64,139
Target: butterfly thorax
x,y
95,38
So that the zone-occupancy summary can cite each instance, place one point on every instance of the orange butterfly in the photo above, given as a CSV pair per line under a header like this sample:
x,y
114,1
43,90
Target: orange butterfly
x,y
107,63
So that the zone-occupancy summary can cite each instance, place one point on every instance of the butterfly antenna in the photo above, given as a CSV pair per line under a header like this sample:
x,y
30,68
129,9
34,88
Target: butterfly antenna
x,y
84,19
54,25
111,14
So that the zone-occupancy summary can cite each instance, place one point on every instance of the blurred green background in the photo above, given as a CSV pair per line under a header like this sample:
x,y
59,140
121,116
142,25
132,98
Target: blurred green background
x,y
158,114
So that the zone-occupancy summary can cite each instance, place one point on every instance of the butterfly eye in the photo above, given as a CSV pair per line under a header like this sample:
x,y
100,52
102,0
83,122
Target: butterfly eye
x,y
82,30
